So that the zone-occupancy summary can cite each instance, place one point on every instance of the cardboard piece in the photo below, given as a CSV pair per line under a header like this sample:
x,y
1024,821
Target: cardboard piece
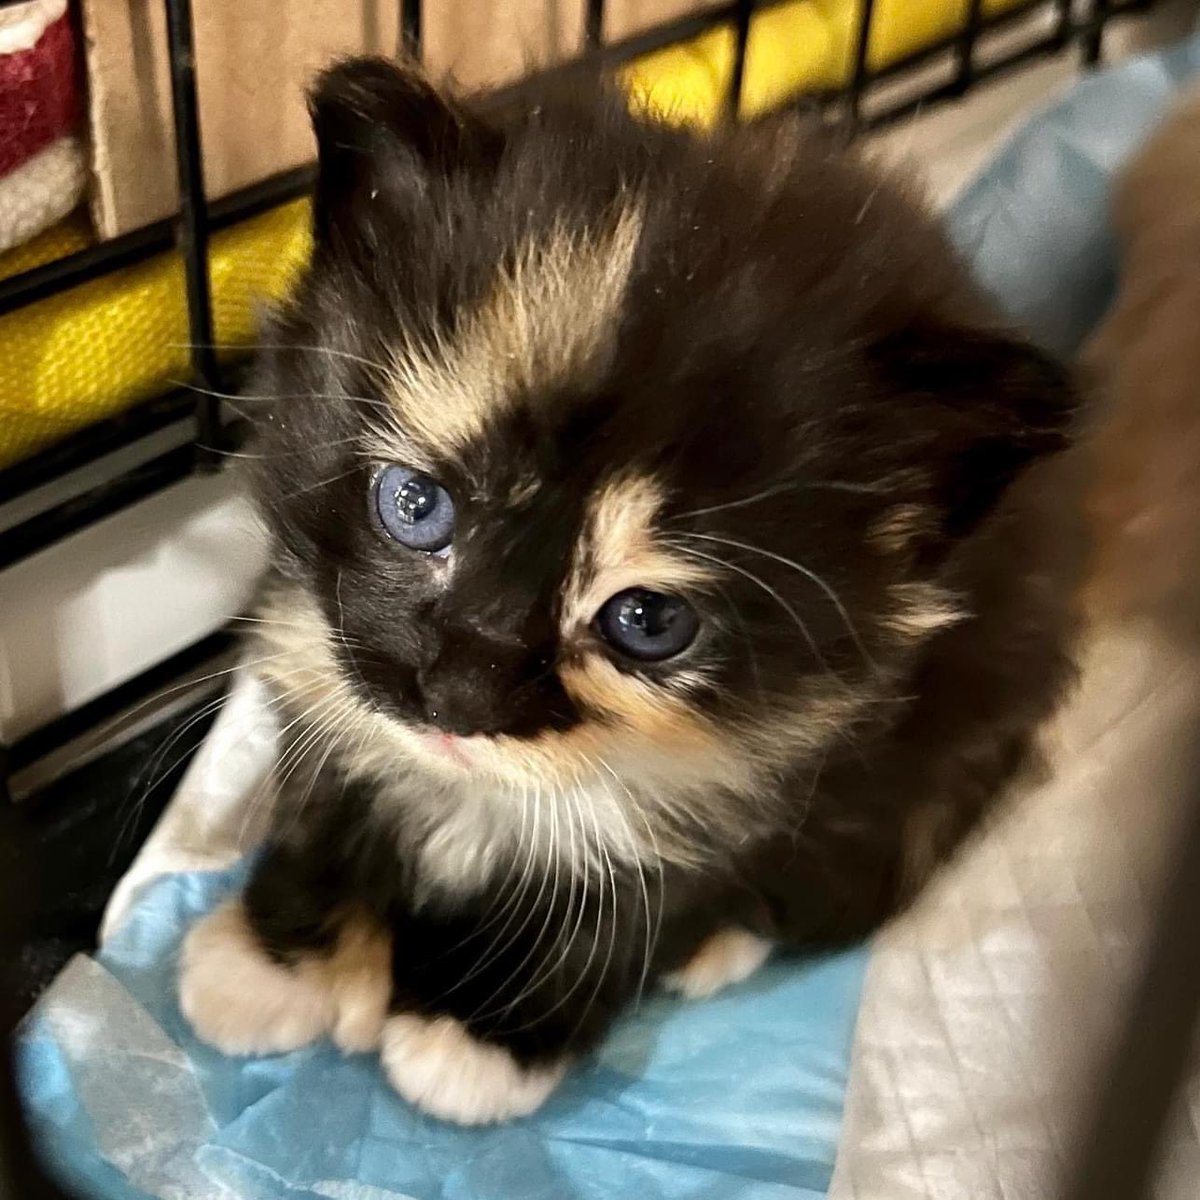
x,y
253,61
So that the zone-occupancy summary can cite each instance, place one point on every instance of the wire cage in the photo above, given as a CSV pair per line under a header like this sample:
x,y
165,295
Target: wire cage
x,y
198,219
1116,1160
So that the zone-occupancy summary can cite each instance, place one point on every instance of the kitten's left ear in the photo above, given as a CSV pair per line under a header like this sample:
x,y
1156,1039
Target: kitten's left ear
x,y
383,129
993,404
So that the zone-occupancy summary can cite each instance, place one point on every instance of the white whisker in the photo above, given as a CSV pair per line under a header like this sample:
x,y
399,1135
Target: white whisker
x,y
809,574
766,587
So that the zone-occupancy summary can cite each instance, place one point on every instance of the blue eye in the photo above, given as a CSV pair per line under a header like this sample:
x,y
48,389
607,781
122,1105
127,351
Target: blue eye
x,y
646,625
413,509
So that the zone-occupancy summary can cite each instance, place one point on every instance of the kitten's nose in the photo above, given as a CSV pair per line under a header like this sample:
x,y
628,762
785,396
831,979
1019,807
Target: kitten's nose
x,y
456,703
479,686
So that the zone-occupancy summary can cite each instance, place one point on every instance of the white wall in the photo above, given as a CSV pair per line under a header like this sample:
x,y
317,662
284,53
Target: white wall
x,y
102,605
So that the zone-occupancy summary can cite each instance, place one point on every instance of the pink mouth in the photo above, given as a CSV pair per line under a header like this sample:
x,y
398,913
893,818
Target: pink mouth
x,y
448,746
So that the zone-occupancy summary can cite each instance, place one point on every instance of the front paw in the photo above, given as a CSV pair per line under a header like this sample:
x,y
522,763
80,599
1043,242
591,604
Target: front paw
x,y
724,959
434,1063
240,1000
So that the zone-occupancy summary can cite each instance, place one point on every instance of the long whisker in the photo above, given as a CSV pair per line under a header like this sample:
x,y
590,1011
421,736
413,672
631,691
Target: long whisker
x,y
320,483
777,490
208,708
602,975
153,772
196,681
235,348
527,873
276,397
766,587
573,936
809,574
506,893
529,916
515,974
651,937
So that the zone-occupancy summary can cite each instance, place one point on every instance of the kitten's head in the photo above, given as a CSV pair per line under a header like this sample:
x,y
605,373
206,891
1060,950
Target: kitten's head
x,y
608,449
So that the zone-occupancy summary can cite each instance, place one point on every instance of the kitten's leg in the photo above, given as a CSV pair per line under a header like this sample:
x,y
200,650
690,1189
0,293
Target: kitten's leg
x,y
491,1012
727,957
284,965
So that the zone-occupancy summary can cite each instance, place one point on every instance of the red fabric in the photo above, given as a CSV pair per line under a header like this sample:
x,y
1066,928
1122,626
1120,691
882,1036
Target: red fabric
x,y
39,94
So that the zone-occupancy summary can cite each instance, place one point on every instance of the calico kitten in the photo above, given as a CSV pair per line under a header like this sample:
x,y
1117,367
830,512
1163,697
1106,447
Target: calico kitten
x,y
668,564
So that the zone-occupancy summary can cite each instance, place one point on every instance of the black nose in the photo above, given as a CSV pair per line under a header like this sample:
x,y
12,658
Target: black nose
x,y
476,686
458,704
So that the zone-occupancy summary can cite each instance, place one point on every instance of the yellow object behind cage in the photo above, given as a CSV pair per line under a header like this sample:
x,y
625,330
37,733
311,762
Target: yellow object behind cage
x,y
93,351
101,347
794,48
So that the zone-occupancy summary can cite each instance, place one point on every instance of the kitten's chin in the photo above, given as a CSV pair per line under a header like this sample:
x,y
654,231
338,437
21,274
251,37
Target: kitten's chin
x,y
445,748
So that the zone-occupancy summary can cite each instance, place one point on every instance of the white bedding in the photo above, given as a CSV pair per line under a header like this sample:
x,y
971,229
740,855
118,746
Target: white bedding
x,y
985,1008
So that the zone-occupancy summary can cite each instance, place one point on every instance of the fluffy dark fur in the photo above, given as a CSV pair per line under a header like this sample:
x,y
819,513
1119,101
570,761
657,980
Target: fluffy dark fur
x,y
738,362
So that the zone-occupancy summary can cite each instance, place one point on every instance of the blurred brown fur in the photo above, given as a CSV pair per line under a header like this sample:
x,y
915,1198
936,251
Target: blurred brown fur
x,y
1144,497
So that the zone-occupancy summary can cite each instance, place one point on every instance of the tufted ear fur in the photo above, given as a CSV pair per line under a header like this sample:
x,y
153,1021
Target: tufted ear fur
x,y
383,132
993,405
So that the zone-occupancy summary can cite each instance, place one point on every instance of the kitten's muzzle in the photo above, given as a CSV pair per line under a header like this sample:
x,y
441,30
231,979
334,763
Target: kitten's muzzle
x,y
477,685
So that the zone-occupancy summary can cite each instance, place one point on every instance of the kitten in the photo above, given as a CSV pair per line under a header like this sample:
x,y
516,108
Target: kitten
x,y
668,564
1145,360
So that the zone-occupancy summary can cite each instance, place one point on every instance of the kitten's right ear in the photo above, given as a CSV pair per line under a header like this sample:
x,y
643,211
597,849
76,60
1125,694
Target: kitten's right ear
x,y
383,130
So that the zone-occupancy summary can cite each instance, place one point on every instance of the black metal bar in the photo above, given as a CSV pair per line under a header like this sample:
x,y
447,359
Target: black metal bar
x,y
60,732
967,40
107,498
144,243
94,442
1093,39
193,219
860,78
669,33
992,24
741,33
62,273
1065,23
593,29
949,91
1153,1051
988,71
410,29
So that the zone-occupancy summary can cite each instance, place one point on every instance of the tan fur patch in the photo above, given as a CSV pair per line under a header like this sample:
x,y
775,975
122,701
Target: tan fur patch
x,y
643,708
619,549
243,1002
359,974
896,530
923,609
728,957
551,315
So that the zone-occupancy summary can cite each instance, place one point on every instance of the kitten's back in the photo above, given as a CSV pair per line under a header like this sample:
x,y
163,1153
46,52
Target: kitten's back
x,y
1144,500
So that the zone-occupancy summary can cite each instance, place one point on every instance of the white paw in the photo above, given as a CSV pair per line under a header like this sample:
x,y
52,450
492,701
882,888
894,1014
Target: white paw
x,y
434,1063
726,958
240,1000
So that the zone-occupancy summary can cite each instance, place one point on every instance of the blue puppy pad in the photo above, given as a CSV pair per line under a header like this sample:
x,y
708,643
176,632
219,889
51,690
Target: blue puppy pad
x,y
738,1096
1035,223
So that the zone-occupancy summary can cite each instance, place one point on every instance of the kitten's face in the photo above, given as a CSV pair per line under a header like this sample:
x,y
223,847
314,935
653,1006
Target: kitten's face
x,y
610,450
